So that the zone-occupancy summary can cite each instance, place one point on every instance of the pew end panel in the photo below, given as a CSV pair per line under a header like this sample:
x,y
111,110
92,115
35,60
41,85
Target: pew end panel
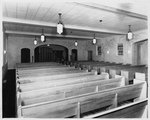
x,y
106,75
126,75
144,91
142,76
122,79
102,69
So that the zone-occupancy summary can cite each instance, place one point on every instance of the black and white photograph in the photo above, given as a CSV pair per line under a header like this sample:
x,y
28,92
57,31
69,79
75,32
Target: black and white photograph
x,y
74,59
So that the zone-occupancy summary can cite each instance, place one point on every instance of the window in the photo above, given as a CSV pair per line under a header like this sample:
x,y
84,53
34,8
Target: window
x,y
120,49
99,50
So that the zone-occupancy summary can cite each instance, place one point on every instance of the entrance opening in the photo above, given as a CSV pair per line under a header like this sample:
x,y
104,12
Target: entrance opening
x,y
51,53
25,55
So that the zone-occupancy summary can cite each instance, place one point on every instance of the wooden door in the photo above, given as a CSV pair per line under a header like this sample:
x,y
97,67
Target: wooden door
x,y
74,54
90,54
43,54
25,55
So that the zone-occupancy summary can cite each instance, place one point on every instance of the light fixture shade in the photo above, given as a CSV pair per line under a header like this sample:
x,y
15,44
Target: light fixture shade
x,y
35,42
76,43
94,41
130,35
42,38
59,28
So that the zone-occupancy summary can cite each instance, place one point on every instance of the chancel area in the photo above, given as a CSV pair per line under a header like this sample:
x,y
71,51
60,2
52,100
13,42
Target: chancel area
x,y
75,59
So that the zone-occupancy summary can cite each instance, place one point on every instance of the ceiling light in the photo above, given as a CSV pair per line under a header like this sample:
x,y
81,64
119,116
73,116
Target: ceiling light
x,y
130,34
42,36
35,41
59,25
94,40
76,43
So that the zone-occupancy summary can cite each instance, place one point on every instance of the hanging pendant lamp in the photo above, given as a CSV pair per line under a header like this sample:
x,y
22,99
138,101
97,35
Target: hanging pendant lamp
x,y
94,40
59,25
130,34
35,41
76,43
42,36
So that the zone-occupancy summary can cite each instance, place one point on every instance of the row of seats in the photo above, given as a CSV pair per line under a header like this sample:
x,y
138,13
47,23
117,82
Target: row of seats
x,y
53,90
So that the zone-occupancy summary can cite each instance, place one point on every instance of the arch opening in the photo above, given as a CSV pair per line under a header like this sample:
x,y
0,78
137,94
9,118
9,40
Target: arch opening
x,y
50,53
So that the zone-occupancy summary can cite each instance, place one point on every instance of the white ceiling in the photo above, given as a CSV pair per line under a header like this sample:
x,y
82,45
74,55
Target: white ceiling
x,y
81,20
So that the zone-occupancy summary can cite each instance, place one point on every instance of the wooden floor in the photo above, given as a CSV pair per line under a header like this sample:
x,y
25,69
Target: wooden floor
x,y
9,95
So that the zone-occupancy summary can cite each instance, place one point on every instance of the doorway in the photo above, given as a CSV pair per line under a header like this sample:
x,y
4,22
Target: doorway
x,y
140,53
43,54
25,55
74,55
50,53
90,54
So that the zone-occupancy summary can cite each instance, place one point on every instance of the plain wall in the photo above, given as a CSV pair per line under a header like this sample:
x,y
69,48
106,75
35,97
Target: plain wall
x,y
109,48
17,42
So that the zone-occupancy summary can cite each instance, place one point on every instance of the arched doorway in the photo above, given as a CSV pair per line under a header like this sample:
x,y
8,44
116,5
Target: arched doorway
x,y
25,55
74,55
50,53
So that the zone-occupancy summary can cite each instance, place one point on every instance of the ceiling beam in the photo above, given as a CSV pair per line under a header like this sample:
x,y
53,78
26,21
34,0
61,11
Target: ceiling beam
x,y
49,24
113,10
50,35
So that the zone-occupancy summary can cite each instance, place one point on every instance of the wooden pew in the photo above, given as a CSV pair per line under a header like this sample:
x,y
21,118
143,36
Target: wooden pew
x,y
37,96
61,82
128,73
52,76
108,99
40,67
137,109
47,71
38,64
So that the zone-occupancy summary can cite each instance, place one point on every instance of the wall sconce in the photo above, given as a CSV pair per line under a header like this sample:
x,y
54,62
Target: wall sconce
x,y
5,52
107,52
129,51
42,36
59,25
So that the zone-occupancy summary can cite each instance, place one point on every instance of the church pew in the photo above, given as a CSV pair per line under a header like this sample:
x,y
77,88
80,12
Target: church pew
x,y
137,109
90,64
83,64
38,64
36,96
130,75
61,82
54,75
84,103
46,71
107,67
40,67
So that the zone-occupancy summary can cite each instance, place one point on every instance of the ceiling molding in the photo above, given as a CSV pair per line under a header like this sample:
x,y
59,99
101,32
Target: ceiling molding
x,y
114,10
49,24
51,35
